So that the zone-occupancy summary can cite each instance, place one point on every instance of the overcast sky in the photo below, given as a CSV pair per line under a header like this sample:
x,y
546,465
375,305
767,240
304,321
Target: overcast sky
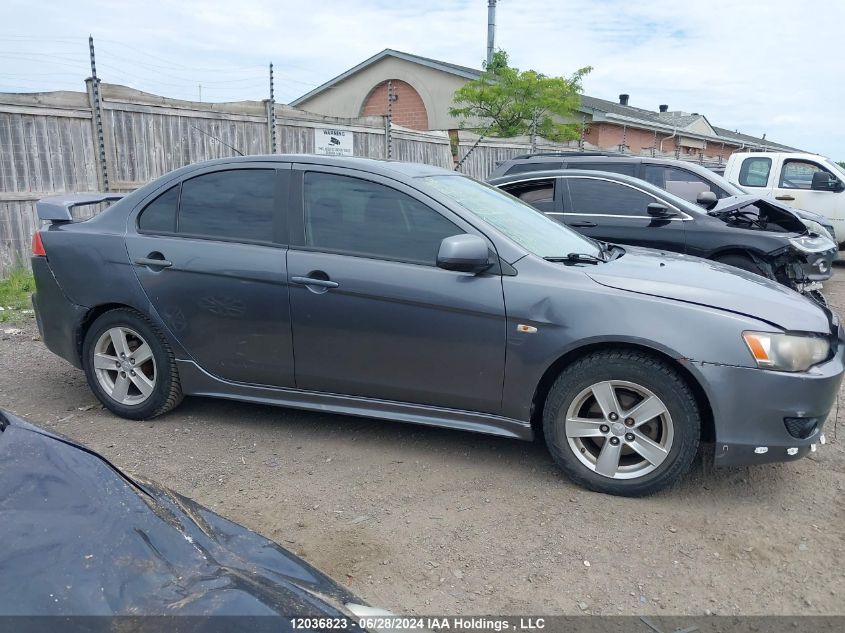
x,y
759,66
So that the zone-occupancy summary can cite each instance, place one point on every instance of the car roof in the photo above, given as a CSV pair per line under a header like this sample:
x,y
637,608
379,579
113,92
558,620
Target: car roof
x,y
558,173
372,165
390,169
610,158
598,157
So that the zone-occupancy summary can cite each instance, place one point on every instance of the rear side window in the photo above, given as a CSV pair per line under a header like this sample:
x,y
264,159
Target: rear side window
x,y
159,216
754,172
540,194
521,168
602,197
235,204
681,182
359,217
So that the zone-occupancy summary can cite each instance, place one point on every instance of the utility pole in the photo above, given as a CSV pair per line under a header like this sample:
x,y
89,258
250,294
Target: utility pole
x,y
96,107
491,30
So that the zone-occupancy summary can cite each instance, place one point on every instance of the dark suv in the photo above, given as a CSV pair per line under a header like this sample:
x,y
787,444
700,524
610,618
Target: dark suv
x,y
692,182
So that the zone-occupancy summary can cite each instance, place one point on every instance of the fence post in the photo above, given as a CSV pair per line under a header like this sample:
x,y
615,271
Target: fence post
x,y
271,113
388,141
93,87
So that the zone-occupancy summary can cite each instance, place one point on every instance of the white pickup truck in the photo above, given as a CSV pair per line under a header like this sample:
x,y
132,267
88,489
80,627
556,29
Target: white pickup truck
x,y
804,181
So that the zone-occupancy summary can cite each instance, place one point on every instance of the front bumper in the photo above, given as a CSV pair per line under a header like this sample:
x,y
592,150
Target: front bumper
x,y
819,266
750,406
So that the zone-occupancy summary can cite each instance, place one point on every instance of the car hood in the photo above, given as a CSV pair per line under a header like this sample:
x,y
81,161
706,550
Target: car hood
x,y
778,217
80,538
712,284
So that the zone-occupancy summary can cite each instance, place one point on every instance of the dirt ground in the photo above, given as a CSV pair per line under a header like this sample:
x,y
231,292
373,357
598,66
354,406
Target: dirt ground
x,y
430,521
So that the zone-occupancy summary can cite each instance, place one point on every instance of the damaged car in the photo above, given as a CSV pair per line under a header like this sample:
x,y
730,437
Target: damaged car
x,y
412,293
683,178
748,232
82,538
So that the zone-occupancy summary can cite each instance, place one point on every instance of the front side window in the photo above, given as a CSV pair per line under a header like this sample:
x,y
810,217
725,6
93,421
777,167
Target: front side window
x,y
798,174
236,204
525,225
350,215
754,172
602,197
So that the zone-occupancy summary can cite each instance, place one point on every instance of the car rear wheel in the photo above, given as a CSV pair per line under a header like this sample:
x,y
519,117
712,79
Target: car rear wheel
x,y
129,365
622,422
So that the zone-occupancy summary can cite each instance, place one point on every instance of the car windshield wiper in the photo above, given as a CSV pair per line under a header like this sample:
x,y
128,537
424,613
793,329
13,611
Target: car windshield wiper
x,y
610,251
577,258
614,251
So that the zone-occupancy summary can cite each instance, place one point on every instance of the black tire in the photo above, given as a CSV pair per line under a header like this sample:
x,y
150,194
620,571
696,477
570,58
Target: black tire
x,y
647,373
741,261
166,391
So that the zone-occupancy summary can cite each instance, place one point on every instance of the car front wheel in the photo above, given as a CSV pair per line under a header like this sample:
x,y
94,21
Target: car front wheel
x,y
129,365
622,422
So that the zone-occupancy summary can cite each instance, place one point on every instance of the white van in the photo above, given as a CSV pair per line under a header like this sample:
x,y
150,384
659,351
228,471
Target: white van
x,y
805,181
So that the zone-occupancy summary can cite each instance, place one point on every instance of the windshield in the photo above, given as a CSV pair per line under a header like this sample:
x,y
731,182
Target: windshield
x,y
724,183
837,168
522,223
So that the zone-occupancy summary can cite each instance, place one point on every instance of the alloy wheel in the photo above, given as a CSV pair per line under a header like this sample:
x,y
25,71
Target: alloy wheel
x,y
619,429
125,366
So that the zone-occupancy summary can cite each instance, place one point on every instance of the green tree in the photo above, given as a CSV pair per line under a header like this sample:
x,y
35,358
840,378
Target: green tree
x,y
841,163
505,101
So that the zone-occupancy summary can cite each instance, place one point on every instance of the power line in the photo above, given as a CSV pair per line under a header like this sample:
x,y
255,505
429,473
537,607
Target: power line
x,y
140,74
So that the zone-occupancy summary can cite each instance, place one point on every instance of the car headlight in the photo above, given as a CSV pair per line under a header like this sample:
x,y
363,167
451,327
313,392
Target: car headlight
x,y
812,243
786,352
818,229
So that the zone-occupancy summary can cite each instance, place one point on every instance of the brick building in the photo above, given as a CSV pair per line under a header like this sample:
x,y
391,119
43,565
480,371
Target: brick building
x,y
419,93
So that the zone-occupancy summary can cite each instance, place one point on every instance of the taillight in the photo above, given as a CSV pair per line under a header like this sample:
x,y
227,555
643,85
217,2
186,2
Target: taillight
x,y
38,245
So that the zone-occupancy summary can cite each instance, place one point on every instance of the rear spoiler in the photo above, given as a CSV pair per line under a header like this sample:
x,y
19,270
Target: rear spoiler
x,y
57,208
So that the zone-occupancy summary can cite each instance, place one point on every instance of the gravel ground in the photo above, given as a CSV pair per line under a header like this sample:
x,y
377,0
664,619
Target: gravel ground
x,y
433,521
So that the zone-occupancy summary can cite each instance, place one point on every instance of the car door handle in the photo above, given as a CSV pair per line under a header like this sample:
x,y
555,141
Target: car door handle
x,y
582,225
785,197
311,281
154,262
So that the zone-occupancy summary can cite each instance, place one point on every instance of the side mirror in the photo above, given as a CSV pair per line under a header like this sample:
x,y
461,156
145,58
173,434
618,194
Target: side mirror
x,y
823,181
707,199
659,210
463,253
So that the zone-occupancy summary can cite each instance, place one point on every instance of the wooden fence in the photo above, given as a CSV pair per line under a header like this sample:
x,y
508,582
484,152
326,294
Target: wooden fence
x,y
49,144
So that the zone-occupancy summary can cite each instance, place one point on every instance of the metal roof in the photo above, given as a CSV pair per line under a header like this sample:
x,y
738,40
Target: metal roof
x,y
679,120
454,69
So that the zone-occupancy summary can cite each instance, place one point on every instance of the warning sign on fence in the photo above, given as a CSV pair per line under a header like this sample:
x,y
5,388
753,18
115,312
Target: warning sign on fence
x,y
329,142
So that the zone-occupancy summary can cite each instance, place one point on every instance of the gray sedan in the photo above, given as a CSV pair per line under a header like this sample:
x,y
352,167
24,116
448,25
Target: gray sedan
x,y
415,294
